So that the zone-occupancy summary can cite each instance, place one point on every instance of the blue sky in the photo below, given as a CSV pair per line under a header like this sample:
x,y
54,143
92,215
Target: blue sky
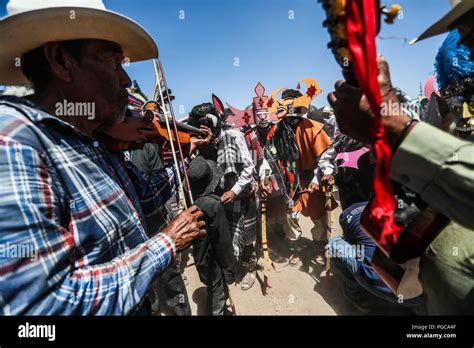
x,y
199,51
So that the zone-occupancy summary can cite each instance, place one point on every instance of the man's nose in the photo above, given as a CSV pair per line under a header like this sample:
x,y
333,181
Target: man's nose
x,y
125,80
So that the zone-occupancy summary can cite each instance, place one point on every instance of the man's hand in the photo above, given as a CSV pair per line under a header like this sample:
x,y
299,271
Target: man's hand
x,y
197,142
327,180
228,197
186,227
353,113
313,187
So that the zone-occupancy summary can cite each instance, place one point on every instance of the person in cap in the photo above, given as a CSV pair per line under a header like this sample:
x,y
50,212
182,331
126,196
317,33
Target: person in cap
x,y
79,206
232,156
294,150
445,183
212,253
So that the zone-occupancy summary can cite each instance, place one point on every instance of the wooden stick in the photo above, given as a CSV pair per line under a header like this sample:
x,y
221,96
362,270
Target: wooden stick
x,y
266,256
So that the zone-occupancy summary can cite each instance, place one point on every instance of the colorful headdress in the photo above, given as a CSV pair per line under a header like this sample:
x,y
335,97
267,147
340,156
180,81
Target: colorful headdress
x,y
455,73
240,118
305,100
260,101
136,98
138,101
453,62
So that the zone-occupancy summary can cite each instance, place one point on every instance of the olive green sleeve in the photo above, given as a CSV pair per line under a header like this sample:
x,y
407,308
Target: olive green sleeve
x,y
440,167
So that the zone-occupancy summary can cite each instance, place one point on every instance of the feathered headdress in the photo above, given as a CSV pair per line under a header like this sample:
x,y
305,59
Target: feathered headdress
x,y
453,62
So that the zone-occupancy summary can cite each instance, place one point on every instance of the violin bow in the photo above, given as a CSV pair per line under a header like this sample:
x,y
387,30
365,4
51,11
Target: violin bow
x,y
353,26
173,118
160,79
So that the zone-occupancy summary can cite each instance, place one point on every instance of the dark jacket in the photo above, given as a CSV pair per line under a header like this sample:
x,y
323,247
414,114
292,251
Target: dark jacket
x,y
216,246
148,161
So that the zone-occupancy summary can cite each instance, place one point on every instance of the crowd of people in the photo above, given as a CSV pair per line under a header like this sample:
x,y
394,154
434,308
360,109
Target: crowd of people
x,y
108,225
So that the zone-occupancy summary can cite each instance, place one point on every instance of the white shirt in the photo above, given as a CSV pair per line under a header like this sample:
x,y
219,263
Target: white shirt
x,y
246,175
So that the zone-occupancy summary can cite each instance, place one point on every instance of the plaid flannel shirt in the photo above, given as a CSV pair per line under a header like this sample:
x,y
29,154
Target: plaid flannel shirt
x,y
81,209
233,156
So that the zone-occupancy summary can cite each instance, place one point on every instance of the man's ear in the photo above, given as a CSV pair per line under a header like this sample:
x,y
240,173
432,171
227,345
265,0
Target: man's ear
x,y
60,62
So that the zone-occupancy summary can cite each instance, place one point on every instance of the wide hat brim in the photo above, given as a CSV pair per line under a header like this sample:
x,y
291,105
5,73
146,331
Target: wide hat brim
x,y
445,23
23,32
216,177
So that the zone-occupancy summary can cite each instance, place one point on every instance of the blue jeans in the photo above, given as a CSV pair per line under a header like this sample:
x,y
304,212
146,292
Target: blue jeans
x,y
352,256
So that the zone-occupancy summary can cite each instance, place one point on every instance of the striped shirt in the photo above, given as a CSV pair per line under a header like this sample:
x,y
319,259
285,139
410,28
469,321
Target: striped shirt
x,y
72,230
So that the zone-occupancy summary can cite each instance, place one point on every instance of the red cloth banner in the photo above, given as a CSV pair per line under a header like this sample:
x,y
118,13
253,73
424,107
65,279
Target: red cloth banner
x,y
361,32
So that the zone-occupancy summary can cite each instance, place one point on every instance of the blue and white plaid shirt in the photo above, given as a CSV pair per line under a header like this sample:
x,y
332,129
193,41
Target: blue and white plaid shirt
x,y
72,230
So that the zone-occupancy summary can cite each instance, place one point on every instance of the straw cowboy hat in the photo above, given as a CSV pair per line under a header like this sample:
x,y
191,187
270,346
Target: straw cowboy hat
x,y
29,24
458,9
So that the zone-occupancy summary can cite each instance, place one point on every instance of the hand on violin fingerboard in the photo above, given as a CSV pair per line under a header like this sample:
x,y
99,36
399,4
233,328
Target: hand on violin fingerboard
x,y
198,141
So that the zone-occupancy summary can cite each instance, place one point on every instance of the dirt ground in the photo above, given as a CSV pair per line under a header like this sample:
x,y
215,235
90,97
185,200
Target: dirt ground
x,y
294,290
303,290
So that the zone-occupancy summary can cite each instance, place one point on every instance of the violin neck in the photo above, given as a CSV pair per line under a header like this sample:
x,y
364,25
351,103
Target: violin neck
x,y
185,127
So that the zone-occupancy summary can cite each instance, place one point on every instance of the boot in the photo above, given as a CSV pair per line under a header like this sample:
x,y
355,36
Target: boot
x,y
249,258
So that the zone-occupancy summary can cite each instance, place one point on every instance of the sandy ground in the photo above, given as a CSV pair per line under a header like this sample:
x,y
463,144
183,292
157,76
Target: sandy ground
x,y
303,290
294,290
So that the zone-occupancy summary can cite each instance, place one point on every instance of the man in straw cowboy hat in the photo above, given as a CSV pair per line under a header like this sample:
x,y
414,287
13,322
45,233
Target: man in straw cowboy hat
x,y
76,204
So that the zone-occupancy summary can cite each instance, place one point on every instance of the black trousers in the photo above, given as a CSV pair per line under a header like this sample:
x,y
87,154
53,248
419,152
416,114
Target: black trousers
x,y
168,293
212,276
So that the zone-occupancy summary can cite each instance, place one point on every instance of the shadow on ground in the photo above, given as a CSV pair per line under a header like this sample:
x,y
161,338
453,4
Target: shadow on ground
x,y
330,287
200,299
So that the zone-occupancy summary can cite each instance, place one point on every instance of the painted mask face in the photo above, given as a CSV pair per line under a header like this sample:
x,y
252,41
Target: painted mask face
x,y
457,115
285,107
261,119
292,103
463,113
465,119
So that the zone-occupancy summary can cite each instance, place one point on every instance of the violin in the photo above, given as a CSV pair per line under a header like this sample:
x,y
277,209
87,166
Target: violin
x,y
146,126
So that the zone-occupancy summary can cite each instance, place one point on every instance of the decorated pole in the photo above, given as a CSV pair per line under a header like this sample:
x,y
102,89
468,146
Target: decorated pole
x,y
266,256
